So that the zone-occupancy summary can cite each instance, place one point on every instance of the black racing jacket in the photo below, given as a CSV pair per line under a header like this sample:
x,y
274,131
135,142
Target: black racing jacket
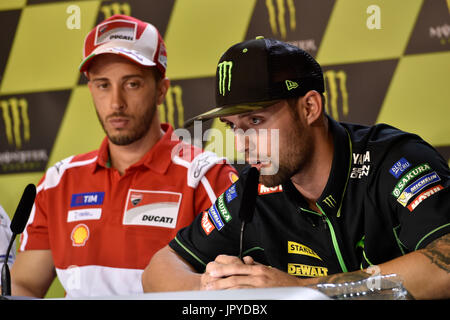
x,y
387,195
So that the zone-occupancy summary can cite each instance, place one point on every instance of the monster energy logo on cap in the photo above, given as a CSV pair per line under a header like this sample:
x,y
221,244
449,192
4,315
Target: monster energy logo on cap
x,y
224,75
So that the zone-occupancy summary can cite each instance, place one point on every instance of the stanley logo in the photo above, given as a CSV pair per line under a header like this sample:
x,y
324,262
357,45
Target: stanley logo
x,y
336,83
111,9
225,76
298,248
277,19
174,100
15,118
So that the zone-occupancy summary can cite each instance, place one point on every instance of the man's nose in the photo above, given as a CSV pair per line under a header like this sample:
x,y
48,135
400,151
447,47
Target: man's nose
x,y
245,143
117,99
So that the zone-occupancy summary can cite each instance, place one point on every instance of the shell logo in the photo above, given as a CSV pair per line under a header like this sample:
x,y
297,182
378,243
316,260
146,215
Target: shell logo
x,y
80,234
233,177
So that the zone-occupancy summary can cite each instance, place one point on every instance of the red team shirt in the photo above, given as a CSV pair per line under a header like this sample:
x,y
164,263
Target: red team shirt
x,y
103,228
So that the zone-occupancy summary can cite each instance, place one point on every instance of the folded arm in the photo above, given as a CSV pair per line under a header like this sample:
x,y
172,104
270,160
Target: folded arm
x,y
32,273
425,273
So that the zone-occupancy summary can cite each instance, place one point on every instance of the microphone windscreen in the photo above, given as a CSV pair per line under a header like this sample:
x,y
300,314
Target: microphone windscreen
x,y
23,209
249,195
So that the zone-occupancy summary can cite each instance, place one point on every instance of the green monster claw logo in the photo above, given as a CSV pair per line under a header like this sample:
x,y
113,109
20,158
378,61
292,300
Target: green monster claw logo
x,y
329,200
224,74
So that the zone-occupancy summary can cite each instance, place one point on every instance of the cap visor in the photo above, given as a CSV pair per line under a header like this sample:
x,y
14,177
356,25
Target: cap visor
x,y
228,111
129,54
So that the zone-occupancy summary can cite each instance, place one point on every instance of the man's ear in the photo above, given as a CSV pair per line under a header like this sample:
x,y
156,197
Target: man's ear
x,y
312,102
163,87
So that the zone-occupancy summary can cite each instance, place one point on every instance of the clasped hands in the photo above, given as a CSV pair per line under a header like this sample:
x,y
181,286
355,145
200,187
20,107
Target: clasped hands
x,y
230,272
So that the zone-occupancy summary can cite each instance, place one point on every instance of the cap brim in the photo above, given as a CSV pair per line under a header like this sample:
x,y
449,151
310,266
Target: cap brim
x,y
229,111
129,54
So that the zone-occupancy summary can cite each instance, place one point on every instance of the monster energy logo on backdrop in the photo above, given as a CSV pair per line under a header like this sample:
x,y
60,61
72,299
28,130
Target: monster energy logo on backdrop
x,y
336,82
224,76
14,120
329,201
273,17
17,130
115,8
167,110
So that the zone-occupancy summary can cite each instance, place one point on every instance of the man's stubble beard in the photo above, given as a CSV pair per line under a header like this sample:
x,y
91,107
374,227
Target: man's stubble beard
x,y
294,155
137,132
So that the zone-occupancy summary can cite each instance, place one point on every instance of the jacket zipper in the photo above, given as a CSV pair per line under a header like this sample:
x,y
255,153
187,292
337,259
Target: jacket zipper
x,y
337,250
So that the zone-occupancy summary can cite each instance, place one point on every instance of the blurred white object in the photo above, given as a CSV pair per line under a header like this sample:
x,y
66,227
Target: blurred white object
x,y
5,236
379,287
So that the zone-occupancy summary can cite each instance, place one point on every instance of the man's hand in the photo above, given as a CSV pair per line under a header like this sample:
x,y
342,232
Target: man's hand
x,y
229,272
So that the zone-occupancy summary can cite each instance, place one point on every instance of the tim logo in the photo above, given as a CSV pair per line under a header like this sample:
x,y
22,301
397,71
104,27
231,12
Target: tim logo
x,y
84,199
111,9
16,121
335,90
277,13
172,103
224,74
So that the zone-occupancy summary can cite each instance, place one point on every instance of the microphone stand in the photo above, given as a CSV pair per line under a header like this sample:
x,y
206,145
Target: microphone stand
x,y
6,275
17,225
248,202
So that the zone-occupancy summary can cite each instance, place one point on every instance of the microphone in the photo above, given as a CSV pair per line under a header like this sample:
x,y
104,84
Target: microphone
x,y
17,226
248,202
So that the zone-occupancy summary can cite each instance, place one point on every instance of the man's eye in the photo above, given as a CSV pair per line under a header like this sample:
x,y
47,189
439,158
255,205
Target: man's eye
x,y
102,85
133,84
255,121
230,125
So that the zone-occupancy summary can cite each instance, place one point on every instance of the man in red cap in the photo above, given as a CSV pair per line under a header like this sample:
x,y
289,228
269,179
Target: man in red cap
x,y
99,217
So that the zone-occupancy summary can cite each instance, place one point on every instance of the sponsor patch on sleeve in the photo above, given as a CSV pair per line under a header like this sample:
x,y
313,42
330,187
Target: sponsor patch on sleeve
x,y
215,217
262,189
416,186
206,224
418,200
231,193
413,173
399,167
222,207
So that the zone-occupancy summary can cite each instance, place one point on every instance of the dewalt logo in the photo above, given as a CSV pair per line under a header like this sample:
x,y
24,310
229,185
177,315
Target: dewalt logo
x,y
335,90
173,102
276,10
16,121
304,270
111,9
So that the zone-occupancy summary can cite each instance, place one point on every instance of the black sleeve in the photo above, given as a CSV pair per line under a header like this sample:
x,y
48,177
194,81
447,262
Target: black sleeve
x,y
216,231
415,182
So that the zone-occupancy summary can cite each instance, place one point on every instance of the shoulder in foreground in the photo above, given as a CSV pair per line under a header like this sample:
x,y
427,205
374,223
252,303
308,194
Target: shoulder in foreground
x,y
379,133
55,172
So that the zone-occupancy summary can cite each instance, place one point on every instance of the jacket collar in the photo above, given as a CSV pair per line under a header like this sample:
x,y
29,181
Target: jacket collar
x,y
157,159
330,200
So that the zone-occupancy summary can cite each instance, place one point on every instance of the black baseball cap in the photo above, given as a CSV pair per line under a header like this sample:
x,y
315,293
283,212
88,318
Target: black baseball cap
x,y
257,73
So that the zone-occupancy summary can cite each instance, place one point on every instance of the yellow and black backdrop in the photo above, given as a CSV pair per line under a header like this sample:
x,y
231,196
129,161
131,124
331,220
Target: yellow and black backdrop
x,y
383,60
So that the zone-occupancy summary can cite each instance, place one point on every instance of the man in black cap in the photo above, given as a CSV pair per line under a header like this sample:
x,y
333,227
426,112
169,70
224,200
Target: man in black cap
x,y
342,202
